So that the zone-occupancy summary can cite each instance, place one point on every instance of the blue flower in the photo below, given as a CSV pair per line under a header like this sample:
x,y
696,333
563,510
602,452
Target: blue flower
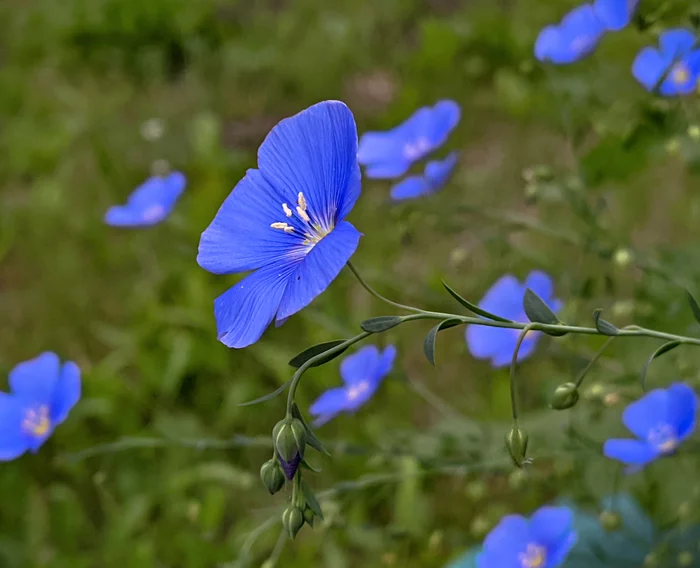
x,y
675,65
42,394
615,14
574,38
362,374
505,299
284,220
437,173
150,203
543,541
661,420
390,154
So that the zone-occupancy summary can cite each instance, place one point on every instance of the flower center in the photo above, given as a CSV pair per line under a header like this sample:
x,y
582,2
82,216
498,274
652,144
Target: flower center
x,y
416,149
153,213
663,438
680,74
356,390
36,420
534,556
302,224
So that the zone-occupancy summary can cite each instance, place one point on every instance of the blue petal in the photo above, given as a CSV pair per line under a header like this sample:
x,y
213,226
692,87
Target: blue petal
x,y
244,311
386,363
445,117
438,172
682,409
410,188
504,357
66,393
315,153
486,342
388,170
647,413
552,527
648,67
675,43
240,237
319,268
682,78
124,216
504,544
381,147
615,14
547,43
13,441
630,452
576,37
36,379
541,284
505,298
361,365
328,405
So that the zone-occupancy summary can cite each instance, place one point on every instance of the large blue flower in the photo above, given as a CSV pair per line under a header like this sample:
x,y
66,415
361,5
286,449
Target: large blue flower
x,y
574,38
390,154
543,541
42,393
362,374
285,221
505,299
674,68
436,174
661,420
150,203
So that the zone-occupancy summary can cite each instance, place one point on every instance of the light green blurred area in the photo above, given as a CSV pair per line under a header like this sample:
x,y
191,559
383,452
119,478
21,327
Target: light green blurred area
x,y
95,95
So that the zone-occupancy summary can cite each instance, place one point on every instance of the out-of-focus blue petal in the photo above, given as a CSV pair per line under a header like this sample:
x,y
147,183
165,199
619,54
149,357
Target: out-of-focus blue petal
x,y
647,413
445,117
675,43
504,543
410,188
36,379
67,392
386,363
630,452
505,298
551,525
360,366
379,147
244,311
240,237
575,38
504,356
315,153
682,409
388,170
674,62
486,342
615,14
438,172
328,405
124,216
682,77
649,67
541,284
13,441
319,268
547,43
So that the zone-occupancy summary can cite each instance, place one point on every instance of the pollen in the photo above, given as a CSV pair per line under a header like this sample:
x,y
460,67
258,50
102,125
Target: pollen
x,y
36,421
680,74
287,210
303,214
535,556
301,200
283,227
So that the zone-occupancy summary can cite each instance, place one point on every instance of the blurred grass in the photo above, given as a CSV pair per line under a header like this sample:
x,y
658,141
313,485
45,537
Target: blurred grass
x,y
78,81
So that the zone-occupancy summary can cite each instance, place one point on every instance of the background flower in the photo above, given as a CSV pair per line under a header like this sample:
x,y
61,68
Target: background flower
x,y
574,38
437,173
362,373
505,299
615,14
150,203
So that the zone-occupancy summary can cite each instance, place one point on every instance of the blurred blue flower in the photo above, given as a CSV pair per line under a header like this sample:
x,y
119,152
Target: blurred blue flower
x,y
615,14
505,299
150,203
574,38
436,175
543,541
390,154
42,392
661,420
674,68
285,221
362,374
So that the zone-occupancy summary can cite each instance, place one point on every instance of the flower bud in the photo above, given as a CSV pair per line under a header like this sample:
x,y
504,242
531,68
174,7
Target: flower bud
x,y
516,442
289,438
272,476
610,520
622,257
309,516
293,520
290,468
565,396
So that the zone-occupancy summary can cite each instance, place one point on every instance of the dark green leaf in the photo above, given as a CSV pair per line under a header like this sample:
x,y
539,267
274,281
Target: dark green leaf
x,y
311,438
381,323
298,360
538,311
268,396
471,307
694,306
665,348
603,326
311,499
431,338
306,465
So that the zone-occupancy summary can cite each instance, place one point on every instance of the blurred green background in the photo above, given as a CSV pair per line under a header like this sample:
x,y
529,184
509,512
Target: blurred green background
x,y
95,95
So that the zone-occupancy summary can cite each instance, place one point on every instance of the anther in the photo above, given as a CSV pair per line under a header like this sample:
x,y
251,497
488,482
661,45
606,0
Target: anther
x,y
287,210
301,211
301,200
282,226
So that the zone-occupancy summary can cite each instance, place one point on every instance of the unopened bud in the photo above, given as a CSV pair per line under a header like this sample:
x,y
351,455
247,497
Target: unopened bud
x,y
289,438
610,520
516,442
309,516
293,520
622,257
290,468
565,396
272,476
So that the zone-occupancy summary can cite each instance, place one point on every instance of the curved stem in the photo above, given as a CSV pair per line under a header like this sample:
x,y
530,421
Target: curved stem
x,y
513,364
377,295
592,362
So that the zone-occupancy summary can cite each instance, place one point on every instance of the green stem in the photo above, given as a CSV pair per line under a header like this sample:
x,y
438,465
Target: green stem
x,y
376,294
513,364
592,362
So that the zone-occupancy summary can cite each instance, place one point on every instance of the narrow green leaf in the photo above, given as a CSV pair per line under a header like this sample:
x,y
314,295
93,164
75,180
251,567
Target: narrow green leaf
x,y
298,360
431,338
694,306
538,311
665,348
311,438
603,326
381,323
311,499
268,396
471,307
306,465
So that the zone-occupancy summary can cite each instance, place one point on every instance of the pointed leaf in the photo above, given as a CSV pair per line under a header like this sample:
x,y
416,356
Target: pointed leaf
x,y
431,338
268,396
472,307
306,465
538,311
311,499
694,306
603,326
301,358
311,438
665,348
381,323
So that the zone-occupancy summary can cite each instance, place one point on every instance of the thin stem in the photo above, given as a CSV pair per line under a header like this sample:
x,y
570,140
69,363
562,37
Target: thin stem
x,y
513,364
376,294
592,362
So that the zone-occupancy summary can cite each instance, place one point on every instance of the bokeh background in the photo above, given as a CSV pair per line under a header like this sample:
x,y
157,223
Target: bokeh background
x,y
576,171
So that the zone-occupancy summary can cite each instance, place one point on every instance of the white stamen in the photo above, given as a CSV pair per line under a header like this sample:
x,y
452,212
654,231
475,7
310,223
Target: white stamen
x,y
283,226
303,214
287,210
301,200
